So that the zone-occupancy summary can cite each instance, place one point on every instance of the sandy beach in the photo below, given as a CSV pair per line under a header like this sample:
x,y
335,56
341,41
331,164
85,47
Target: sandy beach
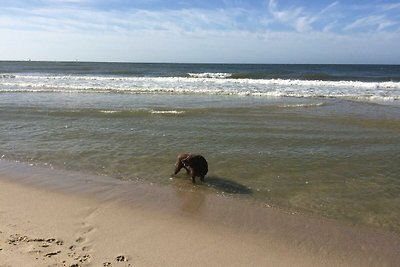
x,y
55,218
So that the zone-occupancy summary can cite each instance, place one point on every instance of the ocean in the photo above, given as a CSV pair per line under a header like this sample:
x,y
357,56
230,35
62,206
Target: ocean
x,y
317,139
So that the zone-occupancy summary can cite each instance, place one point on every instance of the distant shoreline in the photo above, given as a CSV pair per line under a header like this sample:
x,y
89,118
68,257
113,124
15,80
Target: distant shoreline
x,y
198,63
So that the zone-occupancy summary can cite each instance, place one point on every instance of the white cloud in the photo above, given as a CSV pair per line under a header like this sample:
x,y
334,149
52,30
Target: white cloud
x,y
295,17
303,24
182,21
374,17
329,7
287,15
377,7
233,47
379,23
391,6
330,26
197,35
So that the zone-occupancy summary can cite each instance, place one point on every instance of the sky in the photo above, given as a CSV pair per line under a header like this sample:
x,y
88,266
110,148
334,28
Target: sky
x,y
202,31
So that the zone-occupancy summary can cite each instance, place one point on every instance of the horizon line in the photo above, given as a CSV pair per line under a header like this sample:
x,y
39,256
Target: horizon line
x,y
188,63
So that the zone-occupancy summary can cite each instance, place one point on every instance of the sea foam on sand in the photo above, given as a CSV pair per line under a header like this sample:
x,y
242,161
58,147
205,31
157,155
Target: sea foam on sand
x,y
51,217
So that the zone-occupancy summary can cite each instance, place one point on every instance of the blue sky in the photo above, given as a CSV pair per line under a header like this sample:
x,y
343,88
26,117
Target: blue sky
x,y
226,31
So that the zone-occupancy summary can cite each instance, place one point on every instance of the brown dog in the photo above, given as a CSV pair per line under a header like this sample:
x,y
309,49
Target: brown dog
x,y
195,165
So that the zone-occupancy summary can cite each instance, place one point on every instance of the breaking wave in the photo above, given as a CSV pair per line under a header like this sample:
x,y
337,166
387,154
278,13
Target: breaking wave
x,y
303,105
167,112
211,75
208,84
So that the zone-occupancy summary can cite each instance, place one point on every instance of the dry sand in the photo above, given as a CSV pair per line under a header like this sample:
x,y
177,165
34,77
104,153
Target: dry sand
x,y
54,218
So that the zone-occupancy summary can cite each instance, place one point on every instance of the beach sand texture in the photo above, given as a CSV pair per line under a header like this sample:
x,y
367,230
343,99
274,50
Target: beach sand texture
x,y
96,221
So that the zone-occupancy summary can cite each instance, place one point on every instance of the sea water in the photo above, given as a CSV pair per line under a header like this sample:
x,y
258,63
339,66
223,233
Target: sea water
x,y
318,139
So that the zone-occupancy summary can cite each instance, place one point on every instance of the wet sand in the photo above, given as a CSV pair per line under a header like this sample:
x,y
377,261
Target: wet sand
x,y
57,218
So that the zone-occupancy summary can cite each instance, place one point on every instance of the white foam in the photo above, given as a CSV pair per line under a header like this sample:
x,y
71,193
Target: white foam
x,y
212,75
167,111
363,91
303,105
110,111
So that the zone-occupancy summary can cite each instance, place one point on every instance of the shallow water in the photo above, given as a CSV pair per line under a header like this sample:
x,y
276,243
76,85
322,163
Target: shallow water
x,y
333,150
324,156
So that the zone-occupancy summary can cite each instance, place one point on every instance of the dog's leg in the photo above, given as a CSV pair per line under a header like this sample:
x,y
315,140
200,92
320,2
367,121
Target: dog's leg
x,y
178,167
187,170
193,176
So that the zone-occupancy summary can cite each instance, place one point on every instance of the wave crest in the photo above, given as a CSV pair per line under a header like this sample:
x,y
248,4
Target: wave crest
x,y
303,105
211,75
368,91
175,112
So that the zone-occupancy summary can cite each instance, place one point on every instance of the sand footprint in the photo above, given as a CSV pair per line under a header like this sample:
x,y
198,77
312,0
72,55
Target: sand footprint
x,y
49,250
82,244
16,239
119,259
50,254
80,250
80,240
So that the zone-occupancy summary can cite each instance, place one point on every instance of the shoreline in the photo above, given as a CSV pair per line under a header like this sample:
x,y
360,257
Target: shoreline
x,y
65,218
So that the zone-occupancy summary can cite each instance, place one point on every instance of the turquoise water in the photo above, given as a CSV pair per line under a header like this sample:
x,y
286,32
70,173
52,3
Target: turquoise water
x,y
333,156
